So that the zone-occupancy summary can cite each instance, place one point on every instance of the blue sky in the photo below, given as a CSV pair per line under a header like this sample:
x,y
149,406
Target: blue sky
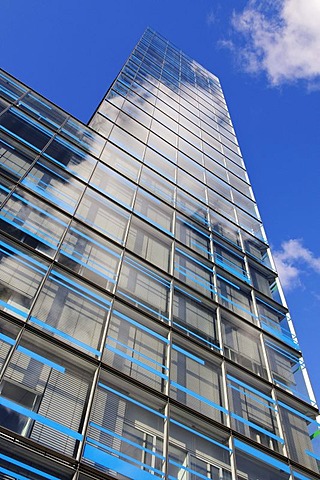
x,y
267,56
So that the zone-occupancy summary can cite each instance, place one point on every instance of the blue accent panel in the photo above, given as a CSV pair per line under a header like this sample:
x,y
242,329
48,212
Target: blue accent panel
x,y
7,144
133,299
199,397
154,223
194,228
187,469
123,455
197,336
301,415
228,281
7,339
40,210
28,259
237,305
65,336
109,389
185,254
27,467
81,288
146,271
261,456
20,139
283,352
40,418
250,396
17,476
313,455
13,309
187,294
137,362
41,359
271,307
113,463
254,390
188,354
256,427
124,439
141,327
200,435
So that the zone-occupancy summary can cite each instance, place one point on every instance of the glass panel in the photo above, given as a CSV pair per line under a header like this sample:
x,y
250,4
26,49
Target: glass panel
x,y
127,142
193,236
15,159
136,347
194,272
113,185
154,211
160,164
72,311
33,222
105,217
194,318
21,275
10,89
144,287
125,433
195,452
38,380
23,128
83,136
242,345
191,207
234,298
54,185
68,156
39,108
195,382
149,244
157,185
253,413
121,161
90,255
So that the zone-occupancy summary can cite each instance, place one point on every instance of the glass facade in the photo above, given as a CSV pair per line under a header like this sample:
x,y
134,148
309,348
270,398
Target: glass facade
x,y
143,329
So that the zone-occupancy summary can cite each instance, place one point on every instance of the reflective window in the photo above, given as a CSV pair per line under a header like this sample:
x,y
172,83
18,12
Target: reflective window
x,y
154,211
38,380
21,275
10,88
127,142
253,412
235,298
194,272
157,185
54,185
144,287
195,382
72,311
160,164
136,347
121,161
39,108
33,222
125,433
242,345
70,157
193,236
15,159
105,217
113,185
83,136
90,255
194,318
149,244
23,128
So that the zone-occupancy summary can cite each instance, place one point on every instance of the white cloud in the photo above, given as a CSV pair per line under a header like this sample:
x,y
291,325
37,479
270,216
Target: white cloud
x,y
292,260
281,38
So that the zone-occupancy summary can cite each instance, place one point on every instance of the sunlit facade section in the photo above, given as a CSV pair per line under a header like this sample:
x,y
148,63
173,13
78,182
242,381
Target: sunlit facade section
x,y
143,329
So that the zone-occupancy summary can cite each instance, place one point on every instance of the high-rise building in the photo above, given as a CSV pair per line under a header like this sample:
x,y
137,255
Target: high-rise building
x,y
143,329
